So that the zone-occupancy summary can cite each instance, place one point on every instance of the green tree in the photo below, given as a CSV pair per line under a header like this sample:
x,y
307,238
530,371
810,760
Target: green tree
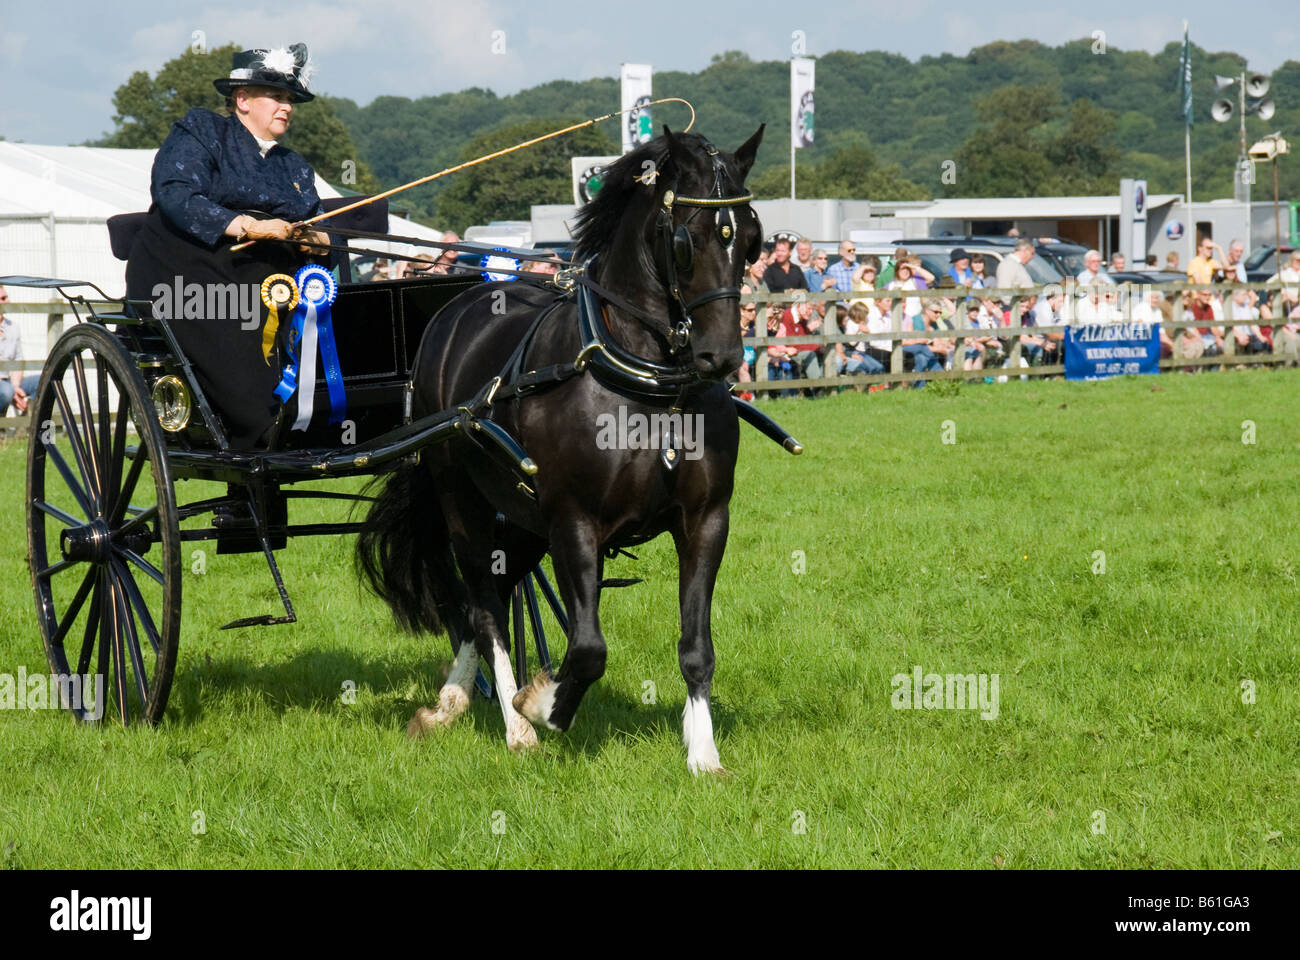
x,y
504,188
320,136
852,172
1083,155
1002,157
147,106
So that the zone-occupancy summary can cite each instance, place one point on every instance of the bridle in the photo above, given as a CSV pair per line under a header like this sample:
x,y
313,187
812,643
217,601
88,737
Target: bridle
x,y
675,251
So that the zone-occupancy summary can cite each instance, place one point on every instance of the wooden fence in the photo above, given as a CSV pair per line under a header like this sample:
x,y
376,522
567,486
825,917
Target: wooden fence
x,y
1126,294
897,334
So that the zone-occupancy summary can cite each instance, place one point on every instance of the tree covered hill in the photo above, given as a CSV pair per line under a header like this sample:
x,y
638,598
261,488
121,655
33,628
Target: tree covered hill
x,y
1008,118
879,110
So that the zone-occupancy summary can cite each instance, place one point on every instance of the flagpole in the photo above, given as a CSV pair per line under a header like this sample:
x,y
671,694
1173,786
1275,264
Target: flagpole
x,y
794,131
1187,151
792,136
1191,217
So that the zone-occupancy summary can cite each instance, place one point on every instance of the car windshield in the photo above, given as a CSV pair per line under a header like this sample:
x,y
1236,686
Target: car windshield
x,y
1072,260
1259,258
1040,271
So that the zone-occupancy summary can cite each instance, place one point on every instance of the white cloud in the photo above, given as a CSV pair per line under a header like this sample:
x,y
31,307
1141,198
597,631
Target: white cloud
x,y
12,45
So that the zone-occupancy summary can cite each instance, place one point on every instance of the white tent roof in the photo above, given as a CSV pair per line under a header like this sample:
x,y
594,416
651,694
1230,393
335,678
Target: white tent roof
x,y
100,182
81,187
1031,208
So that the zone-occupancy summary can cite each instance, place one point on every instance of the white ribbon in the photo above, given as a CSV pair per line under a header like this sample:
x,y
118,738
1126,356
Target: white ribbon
x,y
307,369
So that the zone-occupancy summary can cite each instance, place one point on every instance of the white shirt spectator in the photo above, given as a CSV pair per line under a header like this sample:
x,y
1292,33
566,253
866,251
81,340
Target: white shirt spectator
x,y
878,322
1100,312
1244,312
11,344
1145,313
1087,277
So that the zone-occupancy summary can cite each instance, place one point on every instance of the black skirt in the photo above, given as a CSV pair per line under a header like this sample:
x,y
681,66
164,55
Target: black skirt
x,y
226,358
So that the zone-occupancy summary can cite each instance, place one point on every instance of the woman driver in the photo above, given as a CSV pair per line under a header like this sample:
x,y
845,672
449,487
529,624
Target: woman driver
x,y
216,181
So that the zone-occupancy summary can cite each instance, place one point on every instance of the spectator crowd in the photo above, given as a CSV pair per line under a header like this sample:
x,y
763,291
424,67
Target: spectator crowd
x,y
1244,321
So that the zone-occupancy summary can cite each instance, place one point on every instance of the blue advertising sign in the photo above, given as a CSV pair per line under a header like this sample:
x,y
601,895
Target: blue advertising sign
x,y
1095,351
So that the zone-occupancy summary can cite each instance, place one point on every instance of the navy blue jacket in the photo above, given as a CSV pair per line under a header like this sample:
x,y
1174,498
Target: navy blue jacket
x,y
209,170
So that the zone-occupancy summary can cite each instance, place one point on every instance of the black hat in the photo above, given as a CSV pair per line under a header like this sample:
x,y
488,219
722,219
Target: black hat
x,y
284,68
958,254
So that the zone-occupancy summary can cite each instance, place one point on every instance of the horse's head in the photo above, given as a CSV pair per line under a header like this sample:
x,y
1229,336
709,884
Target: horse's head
x,y
696,232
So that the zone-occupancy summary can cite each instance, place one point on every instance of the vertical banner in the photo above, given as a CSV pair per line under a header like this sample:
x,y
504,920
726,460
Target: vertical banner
x,y
637,128
1133,221
801,102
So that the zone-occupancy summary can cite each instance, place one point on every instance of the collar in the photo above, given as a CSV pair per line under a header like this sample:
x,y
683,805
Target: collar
x,y
264,146
616,367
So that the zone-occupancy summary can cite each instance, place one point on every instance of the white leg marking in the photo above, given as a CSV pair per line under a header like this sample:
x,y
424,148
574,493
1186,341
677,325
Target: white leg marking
x,y
453,698
697,734
537,700
520,734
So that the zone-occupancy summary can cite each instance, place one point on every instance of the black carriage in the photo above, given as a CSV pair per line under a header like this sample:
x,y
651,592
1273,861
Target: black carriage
x,y
104,534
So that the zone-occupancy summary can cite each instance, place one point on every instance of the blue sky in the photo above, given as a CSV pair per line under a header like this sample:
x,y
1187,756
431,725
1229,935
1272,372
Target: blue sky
x,y
60,62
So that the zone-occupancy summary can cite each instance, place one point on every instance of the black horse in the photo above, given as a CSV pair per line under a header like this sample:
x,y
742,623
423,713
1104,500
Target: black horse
x,y
615,391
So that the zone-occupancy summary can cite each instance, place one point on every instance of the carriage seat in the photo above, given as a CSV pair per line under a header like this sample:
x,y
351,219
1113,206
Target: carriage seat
x,y
373,217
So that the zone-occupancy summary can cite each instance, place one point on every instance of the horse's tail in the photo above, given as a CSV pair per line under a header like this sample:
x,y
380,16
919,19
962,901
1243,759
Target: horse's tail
x,y
403,551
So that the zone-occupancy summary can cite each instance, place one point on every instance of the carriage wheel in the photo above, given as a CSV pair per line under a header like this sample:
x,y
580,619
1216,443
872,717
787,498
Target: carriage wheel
x,y
102,531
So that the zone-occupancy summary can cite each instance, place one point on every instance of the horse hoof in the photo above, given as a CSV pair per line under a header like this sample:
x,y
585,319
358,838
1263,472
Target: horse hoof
x,y
710,767
520,735
426,720
537,700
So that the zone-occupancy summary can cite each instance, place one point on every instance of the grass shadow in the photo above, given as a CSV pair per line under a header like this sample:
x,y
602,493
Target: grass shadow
x,y
317,680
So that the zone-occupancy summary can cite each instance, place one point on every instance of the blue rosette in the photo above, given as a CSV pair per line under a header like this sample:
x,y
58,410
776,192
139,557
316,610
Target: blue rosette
x,y
498,260
313,330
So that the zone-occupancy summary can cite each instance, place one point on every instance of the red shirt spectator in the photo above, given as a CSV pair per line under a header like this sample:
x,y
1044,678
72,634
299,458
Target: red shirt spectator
x,y
792,325
1201,310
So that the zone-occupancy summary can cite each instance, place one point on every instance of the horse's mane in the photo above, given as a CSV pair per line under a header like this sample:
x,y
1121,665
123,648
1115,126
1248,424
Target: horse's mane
x,y
599,221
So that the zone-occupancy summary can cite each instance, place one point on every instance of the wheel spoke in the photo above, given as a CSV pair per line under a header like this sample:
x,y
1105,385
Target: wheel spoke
x,y
129,633
142,563
59,567
117,450
78,450
101,382
83,498
74,608
128,488
87,421
110,634
66,519
144,516
93,629
137,600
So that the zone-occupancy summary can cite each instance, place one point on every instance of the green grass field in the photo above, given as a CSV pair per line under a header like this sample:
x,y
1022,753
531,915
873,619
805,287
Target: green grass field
x,y
1121,692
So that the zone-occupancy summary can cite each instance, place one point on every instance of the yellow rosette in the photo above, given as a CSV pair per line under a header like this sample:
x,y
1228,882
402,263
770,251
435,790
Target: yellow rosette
x,y
279,293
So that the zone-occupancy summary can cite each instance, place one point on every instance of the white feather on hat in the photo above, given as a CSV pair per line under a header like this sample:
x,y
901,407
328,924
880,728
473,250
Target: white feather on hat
x,y
279,60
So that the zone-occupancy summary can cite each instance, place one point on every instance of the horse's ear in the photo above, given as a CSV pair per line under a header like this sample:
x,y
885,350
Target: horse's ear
x,y
748,151
676,152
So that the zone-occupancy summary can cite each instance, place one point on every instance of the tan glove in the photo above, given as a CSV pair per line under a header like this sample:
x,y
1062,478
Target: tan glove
x,y
301,231
255,229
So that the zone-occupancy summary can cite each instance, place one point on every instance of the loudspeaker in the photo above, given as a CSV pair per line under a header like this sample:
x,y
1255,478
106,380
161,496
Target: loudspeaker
x,y
1222,110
